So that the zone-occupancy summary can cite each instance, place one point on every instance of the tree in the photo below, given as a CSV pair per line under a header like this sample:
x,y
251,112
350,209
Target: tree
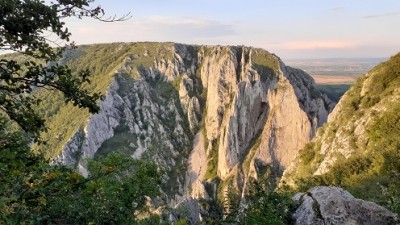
x,y
265,206
31,190
117,188
35,29
34,192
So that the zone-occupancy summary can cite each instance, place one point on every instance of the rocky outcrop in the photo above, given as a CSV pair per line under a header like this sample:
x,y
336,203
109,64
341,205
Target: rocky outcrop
x,y
353,127
251,111
259,112
333,205
99,128
187,209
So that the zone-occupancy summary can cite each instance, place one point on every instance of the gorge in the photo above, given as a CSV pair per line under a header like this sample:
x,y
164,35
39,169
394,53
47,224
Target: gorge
x,y
215,118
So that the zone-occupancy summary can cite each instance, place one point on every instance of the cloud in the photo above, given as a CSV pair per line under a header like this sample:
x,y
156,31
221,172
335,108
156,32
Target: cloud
x,y
157,28
313,45
382,15
184,27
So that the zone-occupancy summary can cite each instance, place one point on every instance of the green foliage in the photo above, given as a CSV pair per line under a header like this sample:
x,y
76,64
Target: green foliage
x,y
267,207
116,189
309,157
260,205
34,192
181,222
333,91
214,211
230,200
388,79
212,163
24,179
307,154
25,29
265,63
104,62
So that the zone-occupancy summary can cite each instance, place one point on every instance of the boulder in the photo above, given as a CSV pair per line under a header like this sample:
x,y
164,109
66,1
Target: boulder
x,y
333,205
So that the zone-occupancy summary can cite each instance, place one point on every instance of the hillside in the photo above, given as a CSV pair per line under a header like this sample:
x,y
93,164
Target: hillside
x,y
359,148
238,109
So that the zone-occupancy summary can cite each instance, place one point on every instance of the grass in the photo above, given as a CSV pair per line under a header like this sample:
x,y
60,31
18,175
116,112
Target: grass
x,y
212,164
265,63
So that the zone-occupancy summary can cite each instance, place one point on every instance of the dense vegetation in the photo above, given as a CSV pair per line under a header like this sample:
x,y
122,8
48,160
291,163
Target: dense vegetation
x,y
26,27
333,91
260,205
34,192
103,61
372,171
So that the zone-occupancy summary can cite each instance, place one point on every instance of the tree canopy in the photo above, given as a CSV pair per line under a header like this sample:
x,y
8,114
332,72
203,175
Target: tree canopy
x,y
31,190
35,29
34,192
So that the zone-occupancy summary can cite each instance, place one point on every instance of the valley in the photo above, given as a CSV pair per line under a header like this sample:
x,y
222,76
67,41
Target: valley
x,y
224,123
199,112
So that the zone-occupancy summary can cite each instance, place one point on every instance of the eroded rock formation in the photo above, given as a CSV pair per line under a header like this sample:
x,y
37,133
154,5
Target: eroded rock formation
x,y
251,111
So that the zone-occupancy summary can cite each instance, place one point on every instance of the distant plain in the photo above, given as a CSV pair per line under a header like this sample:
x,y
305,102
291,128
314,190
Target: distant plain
x,y
335,76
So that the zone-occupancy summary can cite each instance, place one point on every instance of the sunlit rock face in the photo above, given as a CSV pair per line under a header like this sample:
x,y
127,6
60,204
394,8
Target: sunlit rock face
x,y
202,112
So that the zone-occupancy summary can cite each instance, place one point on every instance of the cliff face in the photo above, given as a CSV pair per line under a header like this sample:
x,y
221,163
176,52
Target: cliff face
x,y
202,112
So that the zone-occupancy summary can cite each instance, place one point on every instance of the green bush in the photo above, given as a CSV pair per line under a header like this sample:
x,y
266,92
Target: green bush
x,y
34,192
268,207
212,164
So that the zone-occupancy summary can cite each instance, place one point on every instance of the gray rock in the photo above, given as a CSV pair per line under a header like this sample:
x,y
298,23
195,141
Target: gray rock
x,y
187,209
221,91
333,205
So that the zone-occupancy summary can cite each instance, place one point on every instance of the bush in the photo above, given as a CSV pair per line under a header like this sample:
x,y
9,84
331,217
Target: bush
x,y
270,208
34,192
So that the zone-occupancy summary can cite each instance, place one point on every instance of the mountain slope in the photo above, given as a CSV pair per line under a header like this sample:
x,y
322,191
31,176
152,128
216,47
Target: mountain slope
x,y
239,109
359,147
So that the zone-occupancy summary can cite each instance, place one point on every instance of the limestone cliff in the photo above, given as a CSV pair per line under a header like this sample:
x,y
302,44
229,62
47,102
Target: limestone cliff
x,y
201,112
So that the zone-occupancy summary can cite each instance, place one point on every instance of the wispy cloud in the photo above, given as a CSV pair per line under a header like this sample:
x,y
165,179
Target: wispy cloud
x,y
339,8
382,15
157,28
186,27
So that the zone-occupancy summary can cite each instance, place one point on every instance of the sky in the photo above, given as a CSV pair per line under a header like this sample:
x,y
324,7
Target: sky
x,y
292,29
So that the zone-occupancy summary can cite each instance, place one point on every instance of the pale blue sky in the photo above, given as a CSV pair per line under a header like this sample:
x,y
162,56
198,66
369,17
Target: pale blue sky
x,y
290,29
